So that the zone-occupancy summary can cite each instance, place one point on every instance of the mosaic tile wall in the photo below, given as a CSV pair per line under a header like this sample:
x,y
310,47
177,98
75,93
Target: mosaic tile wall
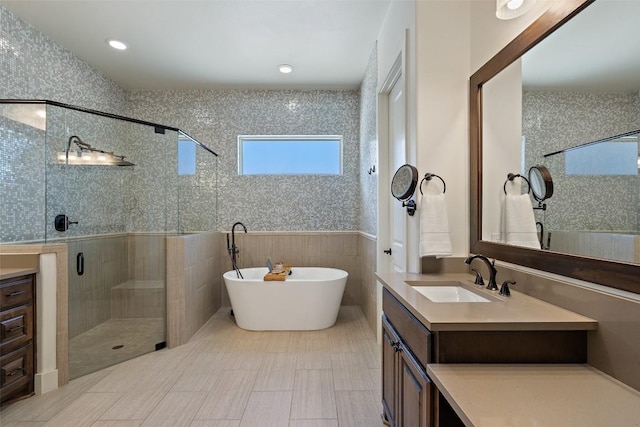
x,y
273,203
32,66
102,200
369,147
197,194
556,120
91,195
22,175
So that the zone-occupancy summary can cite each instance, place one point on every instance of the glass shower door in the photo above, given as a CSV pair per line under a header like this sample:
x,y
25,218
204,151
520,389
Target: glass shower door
x,y
113,219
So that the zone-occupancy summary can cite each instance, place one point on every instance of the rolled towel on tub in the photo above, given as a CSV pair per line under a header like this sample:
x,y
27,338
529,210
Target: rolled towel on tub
x,y
518,221
435,239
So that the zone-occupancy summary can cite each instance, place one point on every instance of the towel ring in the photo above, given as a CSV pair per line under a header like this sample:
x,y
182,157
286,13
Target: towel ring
x,y
511,177
428,176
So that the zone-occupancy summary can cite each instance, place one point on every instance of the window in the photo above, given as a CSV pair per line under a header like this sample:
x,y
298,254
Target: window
x,y
186,157
290,155
610,158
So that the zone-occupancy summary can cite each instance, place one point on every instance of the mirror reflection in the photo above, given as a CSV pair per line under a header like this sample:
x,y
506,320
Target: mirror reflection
x,y
571,105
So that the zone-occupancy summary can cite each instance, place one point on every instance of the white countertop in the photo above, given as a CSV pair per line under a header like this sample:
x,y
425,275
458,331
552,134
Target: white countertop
x,y
486,395
517,312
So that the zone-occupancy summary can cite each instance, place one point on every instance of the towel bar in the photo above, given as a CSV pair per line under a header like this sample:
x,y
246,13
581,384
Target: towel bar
x,y
428,176
511,177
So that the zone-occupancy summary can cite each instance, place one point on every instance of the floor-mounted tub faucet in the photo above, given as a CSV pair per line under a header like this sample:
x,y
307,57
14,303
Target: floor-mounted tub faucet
x,y
492,270
233,249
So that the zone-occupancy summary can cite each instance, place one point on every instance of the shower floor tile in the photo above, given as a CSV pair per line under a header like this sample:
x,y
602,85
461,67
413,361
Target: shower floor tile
x,y
112,342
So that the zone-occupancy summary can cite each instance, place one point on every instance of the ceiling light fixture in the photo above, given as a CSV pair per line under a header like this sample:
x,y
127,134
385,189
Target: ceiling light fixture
x,y
509,9
285,68
116,44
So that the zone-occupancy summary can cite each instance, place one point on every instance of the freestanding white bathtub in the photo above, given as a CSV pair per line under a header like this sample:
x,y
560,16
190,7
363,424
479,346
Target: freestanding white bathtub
x,y
309,299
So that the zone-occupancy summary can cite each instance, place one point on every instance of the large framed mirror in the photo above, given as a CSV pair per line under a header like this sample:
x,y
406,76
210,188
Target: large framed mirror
x,y
513,139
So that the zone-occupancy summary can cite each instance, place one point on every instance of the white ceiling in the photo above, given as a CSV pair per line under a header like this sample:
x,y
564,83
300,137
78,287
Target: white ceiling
x,y
599,50
196,44
199,44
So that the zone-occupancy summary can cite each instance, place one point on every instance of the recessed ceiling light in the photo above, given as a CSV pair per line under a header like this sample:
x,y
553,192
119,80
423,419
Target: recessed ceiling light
x,y
116,44
285,68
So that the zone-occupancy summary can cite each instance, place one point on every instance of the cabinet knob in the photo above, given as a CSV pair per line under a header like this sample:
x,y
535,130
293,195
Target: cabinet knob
x,y
387,251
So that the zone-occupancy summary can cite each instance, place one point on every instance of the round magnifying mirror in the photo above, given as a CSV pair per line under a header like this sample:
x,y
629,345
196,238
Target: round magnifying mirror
x,y
541,183
404,182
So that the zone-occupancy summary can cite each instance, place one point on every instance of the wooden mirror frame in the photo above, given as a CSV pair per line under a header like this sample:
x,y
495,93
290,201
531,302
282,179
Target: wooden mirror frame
x,y
620,275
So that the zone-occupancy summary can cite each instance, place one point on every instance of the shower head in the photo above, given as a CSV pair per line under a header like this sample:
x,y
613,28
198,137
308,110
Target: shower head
x,y
85,154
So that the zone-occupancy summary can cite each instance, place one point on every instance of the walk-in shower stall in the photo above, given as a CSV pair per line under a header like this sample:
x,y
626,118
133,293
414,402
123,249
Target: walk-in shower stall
x,y
113,189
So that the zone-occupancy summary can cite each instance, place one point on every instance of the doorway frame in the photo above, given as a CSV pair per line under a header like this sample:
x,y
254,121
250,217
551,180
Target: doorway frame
x,y
397,70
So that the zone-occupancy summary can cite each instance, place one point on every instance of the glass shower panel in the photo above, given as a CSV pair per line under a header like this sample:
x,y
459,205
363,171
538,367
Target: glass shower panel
x,y
197,194
22,173
117,219
61,183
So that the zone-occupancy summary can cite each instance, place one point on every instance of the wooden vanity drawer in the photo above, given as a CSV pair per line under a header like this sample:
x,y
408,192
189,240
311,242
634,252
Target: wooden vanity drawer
x,y
16,365
16,374
16,327
413,333
16,292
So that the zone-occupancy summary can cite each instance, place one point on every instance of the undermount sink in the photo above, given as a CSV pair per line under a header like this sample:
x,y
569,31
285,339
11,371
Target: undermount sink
x,y
449,293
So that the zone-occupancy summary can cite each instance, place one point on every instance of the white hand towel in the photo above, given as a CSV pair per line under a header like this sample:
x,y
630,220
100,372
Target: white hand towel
x,y
518,221
435,239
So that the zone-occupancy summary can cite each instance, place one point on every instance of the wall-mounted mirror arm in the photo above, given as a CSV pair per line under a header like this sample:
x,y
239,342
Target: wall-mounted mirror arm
x,y
411,207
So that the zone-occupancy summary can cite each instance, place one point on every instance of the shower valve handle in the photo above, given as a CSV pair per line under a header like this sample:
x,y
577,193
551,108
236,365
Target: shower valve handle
x,y
62,222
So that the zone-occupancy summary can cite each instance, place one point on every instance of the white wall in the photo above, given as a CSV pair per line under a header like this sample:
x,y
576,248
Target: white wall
x,y
502,105
443,46
501,144
490,34
446,41
396,37
391,38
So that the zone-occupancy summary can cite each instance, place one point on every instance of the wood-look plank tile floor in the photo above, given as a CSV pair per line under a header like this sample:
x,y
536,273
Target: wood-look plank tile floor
x,y
228,377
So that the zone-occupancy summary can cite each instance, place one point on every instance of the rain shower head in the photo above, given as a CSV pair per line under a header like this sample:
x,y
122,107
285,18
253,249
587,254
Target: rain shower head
x,y
85,154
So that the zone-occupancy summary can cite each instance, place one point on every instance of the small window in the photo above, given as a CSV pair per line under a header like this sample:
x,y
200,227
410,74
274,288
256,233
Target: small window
x,y
610,158
290,155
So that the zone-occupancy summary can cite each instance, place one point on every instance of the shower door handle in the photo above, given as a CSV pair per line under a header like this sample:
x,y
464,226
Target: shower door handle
x,y
80,263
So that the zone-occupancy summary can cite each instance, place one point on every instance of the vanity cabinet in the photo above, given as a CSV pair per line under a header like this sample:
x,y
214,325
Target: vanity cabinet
x,y
17,363
408,396
406,389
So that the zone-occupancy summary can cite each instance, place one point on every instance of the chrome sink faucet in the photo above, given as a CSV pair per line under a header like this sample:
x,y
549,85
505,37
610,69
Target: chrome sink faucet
x,y
493,286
